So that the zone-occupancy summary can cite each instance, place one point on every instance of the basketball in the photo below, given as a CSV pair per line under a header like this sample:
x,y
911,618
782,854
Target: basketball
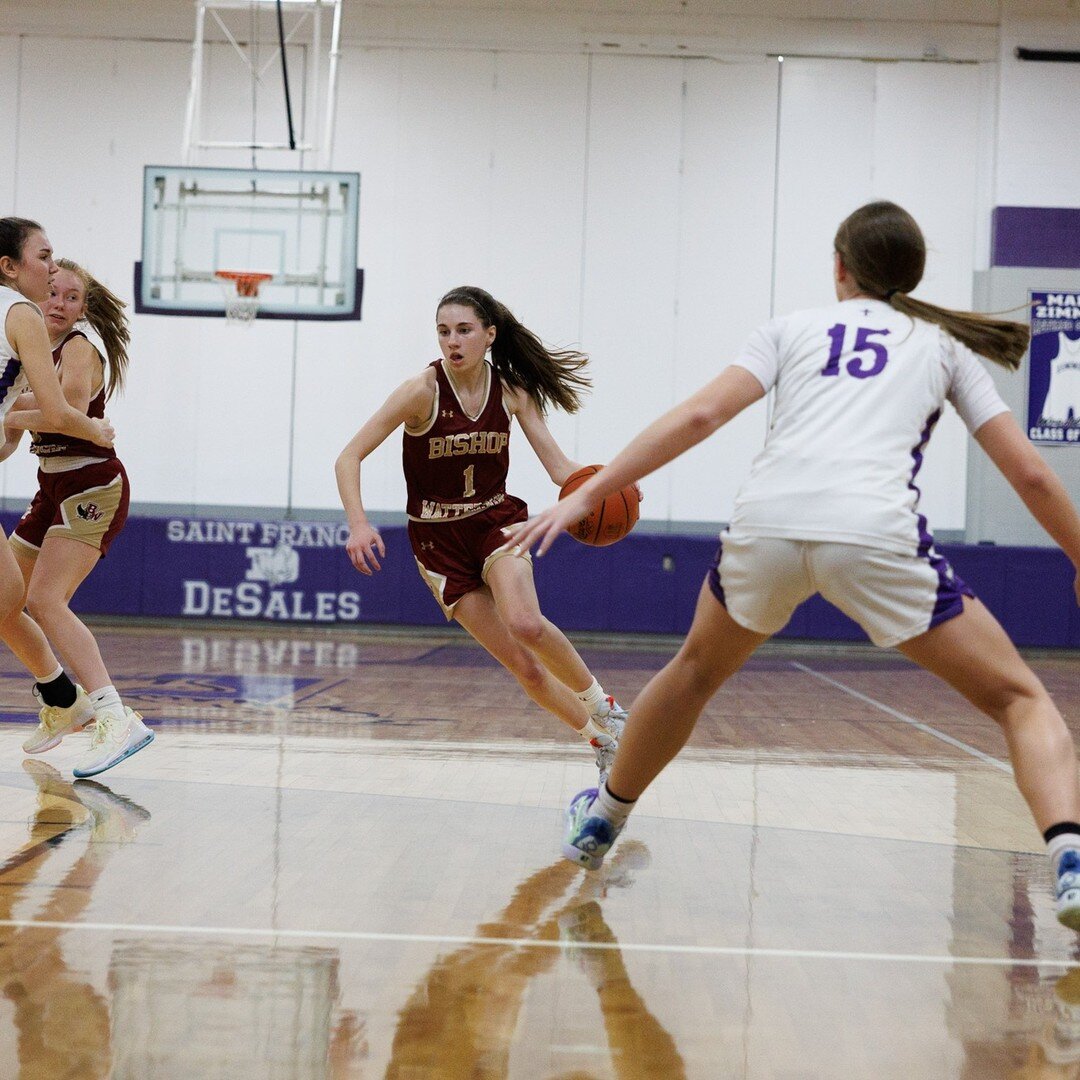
x,y
611,520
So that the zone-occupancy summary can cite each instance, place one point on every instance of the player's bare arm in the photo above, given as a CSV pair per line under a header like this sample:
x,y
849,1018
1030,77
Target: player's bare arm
x,y
662,441
409,405
1038,486
80,371
26,332
557,465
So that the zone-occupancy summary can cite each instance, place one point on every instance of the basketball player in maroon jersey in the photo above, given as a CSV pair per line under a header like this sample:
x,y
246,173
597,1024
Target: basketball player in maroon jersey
x,y
80,507
456,417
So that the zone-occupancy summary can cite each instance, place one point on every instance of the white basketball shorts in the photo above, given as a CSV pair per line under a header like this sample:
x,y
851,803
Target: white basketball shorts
x,y
893,597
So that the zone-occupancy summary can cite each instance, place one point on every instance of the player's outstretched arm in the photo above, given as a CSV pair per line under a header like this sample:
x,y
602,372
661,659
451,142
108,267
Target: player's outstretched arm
x,y
409,404
1038,486
662,441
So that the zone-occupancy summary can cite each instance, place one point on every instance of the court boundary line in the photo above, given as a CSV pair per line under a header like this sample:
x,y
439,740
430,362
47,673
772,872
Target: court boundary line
x,y
997,763
533,943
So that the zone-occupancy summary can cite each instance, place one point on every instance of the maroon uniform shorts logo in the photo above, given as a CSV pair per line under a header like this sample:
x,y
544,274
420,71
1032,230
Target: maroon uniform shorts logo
x,y
89,511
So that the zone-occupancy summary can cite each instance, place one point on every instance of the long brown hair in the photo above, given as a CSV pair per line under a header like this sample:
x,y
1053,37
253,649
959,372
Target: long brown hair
x,y
521,359
105,313
883,249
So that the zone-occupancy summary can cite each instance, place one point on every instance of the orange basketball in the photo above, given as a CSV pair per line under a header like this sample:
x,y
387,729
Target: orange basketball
x,y
607,522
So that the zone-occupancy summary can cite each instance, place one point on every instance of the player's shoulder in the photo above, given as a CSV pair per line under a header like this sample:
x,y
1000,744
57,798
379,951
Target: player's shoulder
x,y
420,385
83,343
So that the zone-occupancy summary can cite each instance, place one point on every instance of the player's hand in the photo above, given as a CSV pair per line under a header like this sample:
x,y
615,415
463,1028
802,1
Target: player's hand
x,y
544,527
361,547
104,433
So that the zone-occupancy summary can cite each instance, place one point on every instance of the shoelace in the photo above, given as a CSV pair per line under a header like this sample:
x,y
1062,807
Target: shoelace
x,y
103,729
48,718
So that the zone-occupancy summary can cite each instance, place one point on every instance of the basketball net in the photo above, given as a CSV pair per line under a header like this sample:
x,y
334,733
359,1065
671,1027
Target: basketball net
x,y
241,289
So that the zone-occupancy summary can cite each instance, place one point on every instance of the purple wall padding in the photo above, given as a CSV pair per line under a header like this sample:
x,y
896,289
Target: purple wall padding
x,y
297,572
1036,236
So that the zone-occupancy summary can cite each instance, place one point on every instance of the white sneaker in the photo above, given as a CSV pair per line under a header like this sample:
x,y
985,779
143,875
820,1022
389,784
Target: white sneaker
x,y
54,722
605,749
117,735
611,716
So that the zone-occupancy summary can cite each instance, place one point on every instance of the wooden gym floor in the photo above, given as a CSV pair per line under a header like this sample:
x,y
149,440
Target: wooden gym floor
x,y
340,859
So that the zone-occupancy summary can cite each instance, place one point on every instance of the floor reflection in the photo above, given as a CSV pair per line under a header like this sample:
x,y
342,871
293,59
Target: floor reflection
x,y
61,1020
462,1019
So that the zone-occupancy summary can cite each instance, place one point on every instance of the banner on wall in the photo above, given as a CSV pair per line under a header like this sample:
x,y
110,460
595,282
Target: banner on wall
x,y
1054,369
284,571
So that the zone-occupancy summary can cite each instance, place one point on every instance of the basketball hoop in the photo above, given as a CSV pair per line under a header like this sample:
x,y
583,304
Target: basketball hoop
x,y
241,289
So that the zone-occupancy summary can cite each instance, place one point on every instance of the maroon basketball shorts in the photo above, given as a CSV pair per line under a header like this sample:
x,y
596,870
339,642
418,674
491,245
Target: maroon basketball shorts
x,y
88,504
454,556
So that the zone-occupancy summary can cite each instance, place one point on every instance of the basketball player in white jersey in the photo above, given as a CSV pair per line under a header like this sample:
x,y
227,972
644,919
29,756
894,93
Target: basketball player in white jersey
x,y
831,506
26,269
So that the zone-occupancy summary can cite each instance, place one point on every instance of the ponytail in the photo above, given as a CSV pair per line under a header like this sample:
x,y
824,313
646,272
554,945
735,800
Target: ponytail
x,y
521,359
883,249
105,313
999,340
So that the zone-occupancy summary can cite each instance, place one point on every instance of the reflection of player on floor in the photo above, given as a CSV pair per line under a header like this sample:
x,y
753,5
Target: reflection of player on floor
x,y
456,415
26,268
62,1021
462,1019
80,507
831,506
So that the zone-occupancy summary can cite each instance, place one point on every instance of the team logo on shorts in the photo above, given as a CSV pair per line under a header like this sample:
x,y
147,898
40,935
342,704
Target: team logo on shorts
x,y
89,511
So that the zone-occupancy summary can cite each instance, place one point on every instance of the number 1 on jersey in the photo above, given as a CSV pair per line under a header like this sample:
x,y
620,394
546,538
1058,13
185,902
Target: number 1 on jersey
x,y
470,491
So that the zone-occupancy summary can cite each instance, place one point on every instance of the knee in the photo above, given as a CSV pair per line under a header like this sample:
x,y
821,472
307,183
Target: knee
x,y
527,630
1010,701
40,605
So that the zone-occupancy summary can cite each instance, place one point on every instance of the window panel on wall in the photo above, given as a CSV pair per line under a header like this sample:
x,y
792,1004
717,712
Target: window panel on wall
x,y
10,48
826,169
852,132
538,190
725,265
934,170
345,371
631,250
183,371
1038,154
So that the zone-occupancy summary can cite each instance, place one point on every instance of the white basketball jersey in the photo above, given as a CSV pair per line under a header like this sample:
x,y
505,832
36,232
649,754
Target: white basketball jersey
x,y
12,379
859,388
1063,394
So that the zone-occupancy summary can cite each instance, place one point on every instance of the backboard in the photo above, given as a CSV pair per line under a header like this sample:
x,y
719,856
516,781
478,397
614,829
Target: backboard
x,y
299,227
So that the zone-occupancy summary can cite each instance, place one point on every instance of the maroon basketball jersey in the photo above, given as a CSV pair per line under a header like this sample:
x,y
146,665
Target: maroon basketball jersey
x,y
53,444
456,465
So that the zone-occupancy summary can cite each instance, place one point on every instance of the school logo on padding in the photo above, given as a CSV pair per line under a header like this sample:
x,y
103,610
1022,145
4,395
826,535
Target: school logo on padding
x,y
89,511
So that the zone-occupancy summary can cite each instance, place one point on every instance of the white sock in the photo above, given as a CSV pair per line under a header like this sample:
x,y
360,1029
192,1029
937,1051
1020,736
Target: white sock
x,y
592,697
611,809
592,730
52,675
106,699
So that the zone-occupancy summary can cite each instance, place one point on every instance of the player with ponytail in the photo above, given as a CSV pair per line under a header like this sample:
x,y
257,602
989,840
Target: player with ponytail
x,y
456,415
831,506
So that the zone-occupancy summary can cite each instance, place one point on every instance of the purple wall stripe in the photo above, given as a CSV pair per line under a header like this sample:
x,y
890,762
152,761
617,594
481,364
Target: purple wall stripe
x,y
1036,236
270,571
